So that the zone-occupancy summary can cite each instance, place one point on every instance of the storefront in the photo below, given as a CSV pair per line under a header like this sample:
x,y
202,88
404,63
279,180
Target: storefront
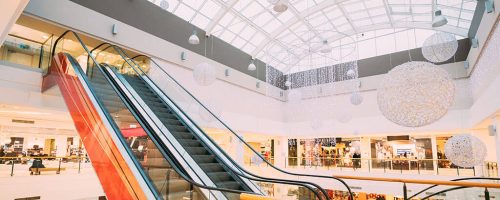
x,y
401,152
322,151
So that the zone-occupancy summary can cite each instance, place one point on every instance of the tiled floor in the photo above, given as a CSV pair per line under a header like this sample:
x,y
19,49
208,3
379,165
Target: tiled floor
x,y
65,186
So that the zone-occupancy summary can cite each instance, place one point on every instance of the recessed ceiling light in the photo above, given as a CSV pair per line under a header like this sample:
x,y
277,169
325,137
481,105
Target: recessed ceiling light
x,y
45,37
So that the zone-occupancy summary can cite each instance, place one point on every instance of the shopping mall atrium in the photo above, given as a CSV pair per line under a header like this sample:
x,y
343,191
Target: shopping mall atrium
x,y
249,99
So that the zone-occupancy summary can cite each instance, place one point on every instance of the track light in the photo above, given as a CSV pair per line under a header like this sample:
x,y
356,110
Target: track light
x,y
194,39
251,66
439,19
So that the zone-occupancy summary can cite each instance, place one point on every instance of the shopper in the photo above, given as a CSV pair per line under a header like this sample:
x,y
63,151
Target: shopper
x,y
2,154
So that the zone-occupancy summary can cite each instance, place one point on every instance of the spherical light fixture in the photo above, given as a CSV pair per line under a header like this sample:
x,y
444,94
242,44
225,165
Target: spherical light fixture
x,y
415,94
164,5
344,118
251,66
439,19
288,83
204,74
439,47
194,39
465,150
351,73
356,98
281,6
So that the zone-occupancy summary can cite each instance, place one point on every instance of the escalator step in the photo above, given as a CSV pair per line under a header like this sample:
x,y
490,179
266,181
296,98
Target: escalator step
x,y
211,167
176,128
197,150
190,143
182,135
204,158
220,176
175,122
229,185
165,115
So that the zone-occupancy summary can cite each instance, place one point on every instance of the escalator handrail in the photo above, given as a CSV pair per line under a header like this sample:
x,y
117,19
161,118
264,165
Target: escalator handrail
x,y
174,164
236,135
458,179
259,178
180,172
101,106
219,148
77,69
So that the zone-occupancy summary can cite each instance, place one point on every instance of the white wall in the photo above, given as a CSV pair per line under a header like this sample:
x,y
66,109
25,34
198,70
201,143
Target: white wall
x,y
9,12
242,107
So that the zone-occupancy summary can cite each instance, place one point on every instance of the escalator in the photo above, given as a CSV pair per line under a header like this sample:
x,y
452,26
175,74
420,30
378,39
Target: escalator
x,y
201,154
142,146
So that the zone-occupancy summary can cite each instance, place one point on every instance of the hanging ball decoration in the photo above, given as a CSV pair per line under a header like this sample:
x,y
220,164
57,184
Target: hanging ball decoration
x,y
316,123
204,74
356,98
344,118
351,73
465,150
439,47
415,94
294,96
164,5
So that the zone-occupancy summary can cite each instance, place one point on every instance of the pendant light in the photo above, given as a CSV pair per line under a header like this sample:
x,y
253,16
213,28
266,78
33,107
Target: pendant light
x,y
251,66
325,48
439,19
280,6
193,39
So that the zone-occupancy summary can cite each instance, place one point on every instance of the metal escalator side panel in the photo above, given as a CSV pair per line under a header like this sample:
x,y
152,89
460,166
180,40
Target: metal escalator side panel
x,y
225,160
186,161
116,177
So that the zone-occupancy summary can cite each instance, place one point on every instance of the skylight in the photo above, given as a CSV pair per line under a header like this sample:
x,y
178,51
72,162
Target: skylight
x,y
289,37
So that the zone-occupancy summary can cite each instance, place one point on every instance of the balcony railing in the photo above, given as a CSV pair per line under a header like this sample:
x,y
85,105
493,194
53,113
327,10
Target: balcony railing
x,y
26,165
396,165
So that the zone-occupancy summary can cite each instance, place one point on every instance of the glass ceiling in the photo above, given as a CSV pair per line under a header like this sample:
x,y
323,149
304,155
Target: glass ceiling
x,y
298,34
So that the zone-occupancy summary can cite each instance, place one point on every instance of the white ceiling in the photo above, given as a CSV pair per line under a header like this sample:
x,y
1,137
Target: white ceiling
x,y
290,37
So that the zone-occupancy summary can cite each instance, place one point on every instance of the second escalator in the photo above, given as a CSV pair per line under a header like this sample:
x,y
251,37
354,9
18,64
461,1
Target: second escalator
x,y
201,154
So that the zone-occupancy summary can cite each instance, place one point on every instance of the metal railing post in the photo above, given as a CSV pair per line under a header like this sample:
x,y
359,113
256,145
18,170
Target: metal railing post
x,y
418,166
59,168
79,164
486,194
384,165
12,168
405,192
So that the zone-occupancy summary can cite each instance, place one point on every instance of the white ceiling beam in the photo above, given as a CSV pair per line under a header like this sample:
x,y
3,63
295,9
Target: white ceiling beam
x,y
388,10
296,13
220,14
410,25
317,8
344,12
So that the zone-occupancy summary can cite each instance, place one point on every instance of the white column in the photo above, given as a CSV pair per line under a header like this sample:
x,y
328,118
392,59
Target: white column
x,y
366,153
496,123
434,154
280,151
9,12
61,144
